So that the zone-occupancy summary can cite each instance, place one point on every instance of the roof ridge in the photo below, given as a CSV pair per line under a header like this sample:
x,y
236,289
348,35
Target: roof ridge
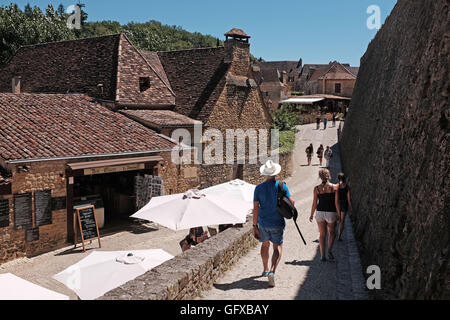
x,y
68,40
191,49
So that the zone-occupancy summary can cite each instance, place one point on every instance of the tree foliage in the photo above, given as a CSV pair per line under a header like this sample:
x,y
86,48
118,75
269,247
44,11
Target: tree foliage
x,y
32,26
285,118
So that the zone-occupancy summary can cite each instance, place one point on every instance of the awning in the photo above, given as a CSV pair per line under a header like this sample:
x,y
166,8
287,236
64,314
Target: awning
x,y
302,100
113,162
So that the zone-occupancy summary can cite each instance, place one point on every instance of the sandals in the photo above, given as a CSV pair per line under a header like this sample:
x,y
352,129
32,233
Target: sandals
x,y
330,256
265,274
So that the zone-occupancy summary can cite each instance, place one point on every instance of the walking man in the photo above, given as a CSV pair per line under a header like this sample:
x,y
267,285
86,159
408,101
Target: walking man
x,y
325,122
268,223
318,122
328,154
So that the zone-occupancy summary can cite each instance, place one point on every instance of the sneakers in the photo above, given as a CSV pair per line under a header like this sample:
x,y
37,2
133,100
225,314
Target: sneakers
x,y
323,259
265,274
271,277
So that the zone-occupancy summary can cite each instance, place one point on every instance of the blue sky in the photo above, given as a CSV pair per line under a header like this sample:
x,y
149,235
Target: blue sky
x,y
318,31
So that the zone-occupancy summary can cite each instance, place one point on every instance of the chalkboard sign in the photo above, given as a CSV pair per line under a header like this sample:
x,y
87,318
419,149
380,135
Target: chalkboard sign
x,y
87,224
43,207
23,218
32,234
4,213
59,203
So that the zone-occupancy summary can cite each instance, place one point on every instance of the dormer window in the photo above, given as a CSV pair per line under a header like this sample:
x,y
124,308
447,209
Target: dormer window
x,y
144,83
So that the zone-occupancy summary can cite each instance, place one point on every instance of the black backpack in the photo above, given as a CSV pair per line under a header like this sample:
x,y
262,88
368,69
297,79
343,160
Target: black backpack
x,y
286,208
284,205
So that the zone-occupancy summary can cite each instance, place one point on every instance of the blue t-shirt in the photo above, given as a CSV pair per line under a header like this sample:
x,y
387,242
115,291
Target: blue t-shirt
x,y
266,194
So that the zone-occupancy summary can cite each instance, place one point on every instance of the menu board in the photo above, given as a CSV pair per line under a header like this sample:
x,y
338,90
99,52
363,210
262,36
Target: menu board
x,y
23,216
32,234
4,213
87,224
59,203
43,207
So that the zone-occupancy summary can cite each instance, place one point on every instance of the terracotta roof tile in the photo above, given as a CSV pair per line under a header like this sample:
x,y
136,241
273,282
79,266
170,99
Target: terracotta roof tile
x,y
160,118
237,33
196,77
107,67
35,126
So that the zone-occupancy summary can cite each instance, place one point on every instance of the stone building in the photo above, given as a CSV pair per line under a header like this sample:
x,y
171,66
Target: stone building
x,y
61,150
335,79
217,87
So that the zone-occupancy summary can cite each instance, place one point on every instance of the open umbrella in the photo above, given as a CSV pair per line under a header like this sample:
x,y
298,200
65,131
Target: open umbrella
x,y
194,209
237,189
103,271
15,288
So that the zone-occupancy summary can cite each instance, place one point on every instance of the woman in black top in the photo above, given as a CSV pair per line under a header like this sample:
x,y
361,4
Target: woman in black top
x,y
345,202
327,205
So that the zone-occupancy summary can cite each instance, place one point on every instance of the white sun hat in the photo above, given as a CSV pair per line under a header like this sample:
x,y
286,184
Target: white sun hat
x,y
270,168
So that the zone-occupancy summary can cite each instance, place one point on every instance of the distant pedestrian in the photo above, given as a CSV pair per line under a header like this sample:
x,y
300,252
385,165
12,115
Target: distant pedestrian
x,y
318,122
328,154
268,223
326,206
320,154
334,119
325,122
345,203
309,152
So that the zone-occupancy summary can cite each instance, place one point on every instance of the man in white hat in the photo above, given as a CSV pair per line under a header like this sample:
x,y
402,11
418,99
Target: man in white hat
x,y
268,223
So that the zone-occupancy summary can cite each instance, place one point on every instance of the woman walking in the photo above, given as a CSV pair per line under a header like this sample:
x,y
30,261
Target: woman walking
x,y
345,203
309,151
320,154
327,205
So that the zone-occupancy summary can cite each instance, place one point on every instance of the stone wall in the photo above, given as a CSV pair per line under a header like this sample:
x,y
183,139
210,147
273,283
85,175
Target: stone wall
x,y
41,176
395,151
187,275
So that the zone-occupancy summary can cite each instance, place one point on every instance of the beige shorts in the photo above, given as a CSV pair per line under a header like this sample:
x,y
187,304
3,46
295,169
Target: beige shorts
x,y
329,217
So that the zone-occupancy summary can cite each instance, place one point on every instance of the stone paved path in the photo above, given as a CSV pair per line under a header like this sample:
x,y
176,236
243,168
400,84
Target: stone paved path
x,y
300,274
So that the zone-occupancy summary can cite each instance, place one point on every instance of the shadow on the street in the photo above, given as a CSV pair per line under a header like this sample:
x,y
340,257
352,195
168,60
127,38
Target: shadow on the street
x,y
245,284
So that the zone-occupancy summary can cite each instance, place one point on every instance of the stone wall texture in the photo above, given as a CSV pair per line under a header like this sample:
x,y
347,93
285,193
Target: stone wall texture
x,y
395,151
187,275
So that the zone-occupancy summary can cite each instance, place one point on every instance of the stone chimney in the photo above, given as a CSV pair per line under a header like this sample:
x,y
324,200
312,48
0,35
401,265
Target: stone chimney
x,y
16,84
237,52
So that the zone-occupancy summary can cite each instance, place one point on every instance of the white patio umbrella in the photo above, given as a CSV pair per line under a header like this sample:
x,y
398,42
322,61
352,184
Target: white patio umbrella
x,y
194,209
103,271
15,288
237,189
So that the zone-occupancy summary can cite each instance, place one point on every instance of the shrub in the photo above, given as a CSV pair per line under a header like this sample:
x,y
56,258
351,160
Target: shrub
x,y
287,141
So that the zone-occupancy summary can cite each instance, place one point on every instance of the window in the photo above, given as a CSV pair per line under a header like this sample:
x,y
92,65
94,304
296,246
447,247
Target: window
x,y
144,83
337,88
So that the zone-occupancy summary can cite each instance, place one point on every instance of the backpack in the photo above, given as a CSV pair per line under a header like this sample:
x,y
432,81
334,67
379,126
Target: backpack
x,y
286,208
284,205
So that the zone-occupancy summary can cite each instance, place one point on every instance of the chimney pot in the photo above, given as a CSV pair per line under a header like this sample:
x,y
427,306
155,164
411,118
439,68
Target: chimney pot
x,y
16,84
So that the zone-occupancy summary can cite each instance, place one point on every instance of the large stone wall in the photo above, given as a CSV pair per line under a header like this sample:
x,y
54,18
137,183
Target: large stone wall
x,y
395,150
187,275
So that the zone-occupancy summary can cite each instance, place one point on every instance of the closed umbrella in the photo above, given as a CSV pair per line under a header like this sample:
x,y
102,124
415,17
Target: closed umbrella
x,y
103,271
194,209
15,288
237,189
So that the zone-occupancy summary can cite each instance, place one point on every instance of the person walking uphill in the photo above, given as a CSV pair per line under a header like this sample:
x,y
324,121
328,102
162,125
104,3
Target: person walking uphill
x,y
326,202
268,223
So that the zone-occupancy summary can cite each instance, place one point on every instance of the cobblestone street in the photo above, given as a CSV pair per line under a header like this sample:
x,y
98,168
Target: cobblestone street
x,y
301,274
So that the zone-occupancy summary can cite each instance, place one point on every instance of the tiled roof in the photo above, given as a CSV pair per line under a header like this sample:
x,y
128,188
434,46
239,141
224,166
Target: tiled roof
x,y
333,71
269,75
107,67
153,60
196,76
237,33
59,67
291,67
160,118
36,126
